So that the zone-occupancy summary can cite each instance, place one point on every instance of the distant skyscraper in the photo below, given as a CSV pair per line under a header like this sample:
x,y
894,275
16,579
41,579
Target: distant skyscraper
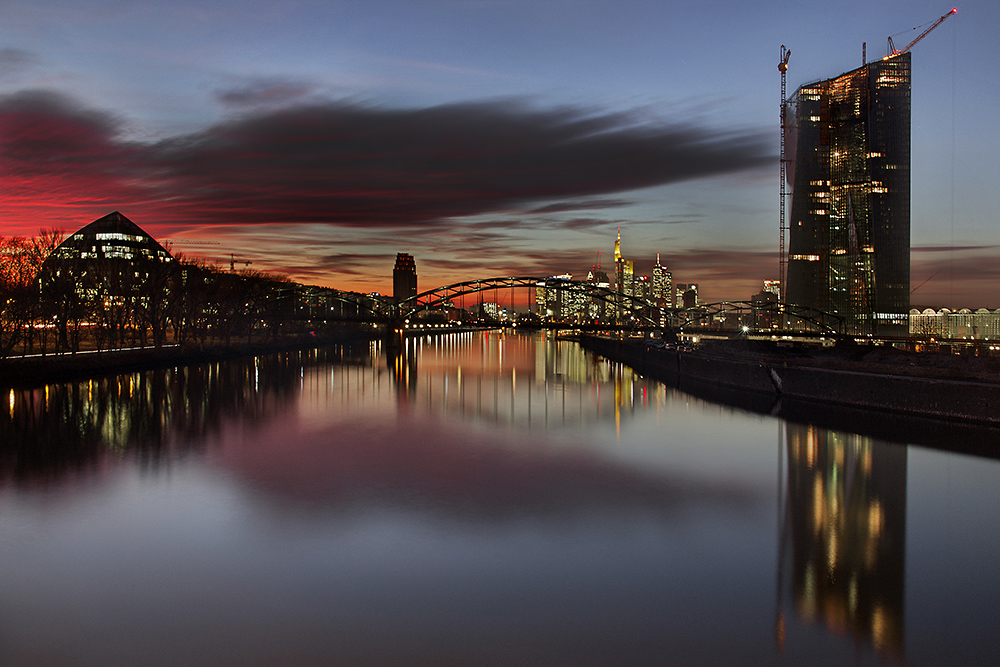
x,y
687,295
628,277
404,277
663,283
849,240
619,265
599,308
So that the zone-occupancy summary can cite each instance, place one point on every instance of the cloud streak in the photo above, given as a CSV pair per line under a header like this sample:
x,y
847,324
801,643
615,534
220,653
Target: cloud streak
x,y
349,164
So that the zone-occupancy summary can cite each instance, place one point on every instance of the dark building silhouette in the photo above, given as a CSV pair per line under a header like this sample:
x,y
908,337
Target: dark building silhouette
x,y
404,277
849,232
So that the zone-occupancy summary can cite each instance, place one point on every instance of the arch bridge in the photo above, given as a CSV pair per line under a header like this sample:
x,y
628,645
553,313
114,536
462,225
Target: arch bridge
x,y
620,310
635,309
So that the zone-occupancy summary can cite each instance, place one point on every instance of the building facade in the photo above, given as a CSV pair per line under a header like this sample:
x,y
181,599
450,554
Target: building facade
x,y
663,284
404,277
849,232
964,323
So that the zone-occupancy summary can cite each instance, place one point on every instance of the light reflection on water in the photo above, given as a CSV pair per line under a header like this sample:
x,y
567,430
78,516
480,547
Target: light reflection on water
x,y
476,499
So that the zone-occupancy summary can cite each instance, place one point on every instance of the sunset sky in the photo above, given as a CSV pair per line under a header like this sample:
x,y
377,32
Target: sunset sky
x,y
486,138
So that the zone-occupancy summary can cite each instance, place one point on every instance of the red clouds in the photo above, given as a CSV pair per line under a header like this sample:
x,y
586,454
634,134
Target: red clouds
x,y
56,159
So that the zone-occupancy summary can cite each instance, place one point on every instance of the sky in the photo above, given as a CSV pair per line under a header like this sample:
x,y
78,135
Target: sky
x,y
484,137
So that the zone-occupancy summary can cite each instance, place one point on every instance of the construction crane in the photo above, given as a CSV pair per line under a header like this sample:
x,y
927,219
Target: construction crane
x,y
782,224
892,47
174,242
233,261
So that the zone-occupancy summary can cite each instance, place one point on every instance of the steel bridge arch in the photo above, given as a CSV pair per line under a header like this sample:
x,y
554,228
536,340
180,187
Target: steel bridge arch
x,y
378,307
636,306
829,323
385,309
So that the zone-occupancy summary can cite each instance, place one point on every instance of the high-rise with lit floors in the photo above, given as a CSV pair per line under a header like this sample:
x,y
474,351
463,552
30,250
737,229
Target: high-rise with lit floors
x,y
849,231
663,283
404,277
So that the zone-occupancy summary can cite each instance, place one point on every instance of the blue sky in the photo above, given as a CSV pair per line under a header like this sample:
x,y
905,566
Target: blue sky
x,y
489,138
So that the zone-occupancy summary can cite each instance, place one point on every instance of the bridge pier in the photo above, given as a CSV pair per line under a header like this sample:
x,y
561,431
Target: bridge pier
x,y
392,336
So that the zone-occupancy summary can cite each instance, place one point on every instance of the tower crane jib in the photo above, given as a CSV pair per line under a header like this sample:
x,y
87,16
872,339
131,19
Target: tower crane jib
x,y
892,47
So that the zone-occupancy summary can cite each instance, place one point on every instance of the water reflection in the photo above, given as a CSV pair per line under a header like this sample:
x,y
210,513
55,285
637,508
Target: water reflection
x,y
476,499
452,439
516,380
51,431
844,536
56,430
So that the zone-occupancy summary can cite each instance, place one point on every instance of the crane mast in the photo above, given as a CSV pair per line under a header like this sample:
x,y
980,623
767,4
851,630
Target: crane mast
x,y
892,47
782,224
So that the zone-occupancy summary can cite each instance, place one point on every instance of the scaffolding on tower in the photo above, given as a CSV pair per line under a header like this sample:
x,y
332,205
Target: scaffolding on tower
x,y
783,224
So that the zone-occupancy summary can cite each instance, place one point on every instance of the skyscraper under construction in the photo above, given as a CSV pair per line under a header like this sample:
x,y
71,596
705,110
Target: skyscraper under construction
x,y
849,231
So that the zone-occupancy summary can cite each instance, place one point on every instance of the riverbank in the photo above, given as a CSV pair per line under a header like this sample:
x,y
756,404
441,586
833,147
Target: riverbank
x,y
44,369
938,386
39,369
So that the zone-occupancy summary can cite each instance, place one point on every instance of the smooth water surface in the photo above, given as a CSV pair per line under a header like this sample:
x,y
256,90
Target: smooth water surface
x,y
479,499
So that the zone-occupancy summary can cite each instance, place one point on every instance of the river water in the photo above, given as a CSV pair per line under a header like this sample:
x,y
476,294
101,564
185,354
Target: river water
x,y
478,499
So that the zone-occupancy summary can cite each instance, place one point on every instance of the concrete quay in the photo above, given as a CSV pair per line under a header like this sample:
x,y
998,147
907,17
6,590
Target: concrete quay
x,y
929,385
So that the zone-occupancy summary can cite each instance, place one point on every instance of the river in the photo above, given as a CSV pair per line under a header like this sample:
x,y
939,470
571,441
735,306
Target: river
x,y
477,499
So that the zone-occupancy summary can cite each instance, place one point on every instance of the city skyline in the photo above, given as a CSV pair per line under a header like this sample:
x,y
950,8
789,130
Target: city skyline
x,y
319,140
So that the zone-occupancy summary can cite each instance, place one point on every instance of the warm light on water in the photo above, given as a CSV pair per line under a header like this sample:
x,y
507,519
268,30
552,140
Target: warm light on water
x,y
480,499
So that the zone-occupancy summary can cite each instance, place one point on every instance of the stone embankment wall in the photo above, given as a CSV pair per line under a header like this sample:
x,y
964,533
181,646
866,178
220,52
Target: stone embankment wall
x,y
856,384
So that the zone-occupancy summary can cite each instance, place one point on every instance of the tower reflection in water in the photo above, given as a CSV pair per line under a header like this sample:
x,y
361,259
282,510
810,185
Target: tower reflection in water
x,y
843,537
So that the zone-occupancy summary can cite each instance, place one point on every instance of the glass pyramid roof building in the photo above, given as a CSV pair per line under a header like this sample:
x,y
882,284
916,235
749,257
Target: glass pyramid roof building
x,y
112,237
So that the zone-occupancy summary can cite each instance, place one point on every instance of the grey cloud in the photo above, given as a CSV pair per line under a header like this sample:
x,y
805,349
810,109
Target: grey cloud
x,y
14,61
265,92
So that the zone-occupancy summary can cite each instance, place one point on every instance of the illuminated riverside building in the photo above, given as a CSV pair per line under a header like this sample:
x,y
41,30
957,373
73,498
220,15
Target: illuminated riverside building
x,y
113,268
109,257
849,232
404,277
113,237
979,324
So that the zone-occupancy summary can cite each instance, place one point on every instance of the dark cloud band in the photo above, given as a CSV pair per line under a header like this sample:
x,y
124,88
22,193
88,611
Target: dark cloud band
x,y
350,164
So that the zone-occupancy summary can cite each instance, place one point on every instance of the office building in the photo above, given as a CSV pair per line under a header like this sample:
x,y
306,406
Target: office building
x,y
108,258
687,295
113,237
663,284
404,277
849,231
